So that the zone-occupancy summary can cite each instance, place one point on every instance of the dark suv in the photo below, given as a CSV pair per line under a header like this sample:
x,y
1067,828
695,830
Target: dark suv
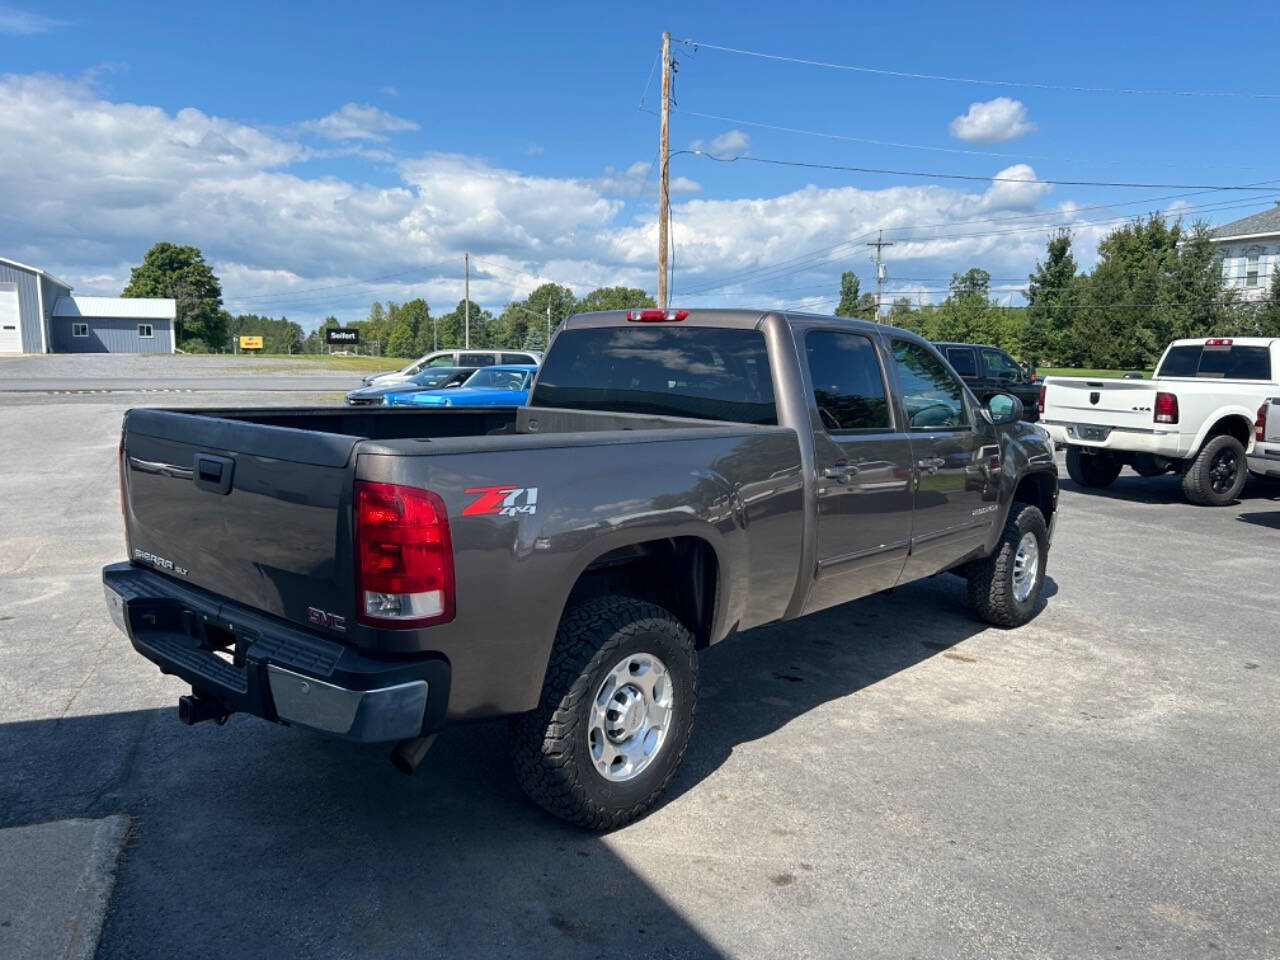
x,y
989,370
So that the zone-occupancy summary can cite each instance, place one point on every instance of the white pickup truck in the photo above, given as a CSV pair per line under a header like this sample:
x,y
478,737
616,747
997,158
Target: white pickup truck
x,y
1264,458
1198,417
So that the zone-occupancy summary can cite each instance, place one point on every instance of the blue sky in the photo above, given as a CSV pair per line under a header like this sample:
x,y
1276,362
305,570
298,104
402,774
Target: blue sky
x,y
311,149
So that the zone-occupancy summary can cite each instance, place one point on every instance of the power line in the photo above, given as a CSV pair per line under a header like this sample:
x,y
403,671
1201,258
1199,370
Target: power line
x,y
1035,85
934,175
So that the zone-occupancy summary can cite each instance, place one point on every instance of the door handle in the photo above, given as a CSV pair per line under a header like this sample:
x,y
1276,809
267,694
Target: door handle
x,y
840,473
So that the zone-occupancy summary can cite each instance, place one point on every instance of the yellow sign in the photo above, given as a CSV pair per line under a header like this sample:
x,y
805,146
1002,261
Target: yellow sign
x,y
250,343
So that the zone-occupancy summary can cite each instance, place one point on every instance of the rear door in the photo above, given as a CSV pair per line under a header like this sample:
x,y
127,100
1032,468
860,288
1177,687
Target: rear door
x,y
955,488
255,513
862,458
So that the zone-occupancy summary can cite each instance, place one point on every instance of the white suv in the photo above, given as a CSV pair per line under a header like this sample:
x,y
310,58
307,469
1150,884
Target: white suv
x,y
456,358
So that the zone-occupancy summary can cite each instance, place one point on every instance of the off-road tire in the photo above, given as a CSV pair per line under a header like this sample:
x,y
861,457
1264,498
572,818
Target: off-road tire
x,y
549,748
991,580
1197,482
1091,470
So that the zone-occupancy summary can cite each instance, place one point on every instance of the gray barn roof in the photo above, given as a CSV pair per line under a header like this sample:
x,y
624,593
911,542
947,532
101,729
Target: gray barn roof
x,y
37,271
1268,221
129,308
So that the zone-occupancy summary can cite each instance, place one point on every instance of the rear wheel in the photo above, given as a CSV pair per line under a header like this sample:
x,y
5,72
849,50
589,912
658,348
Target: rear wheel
x,y
615,716
1217,474
1092,469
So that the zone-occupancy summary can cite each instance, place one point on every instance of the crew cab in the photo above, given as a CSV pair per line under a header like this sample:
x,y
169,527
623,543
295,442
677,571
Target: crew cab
x,y
677,476
1196,417
989,370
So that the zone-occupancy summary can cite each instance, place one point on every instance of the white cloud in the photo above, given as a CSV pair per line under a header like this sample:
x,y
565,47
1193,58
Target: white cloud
x,y
730,142
992,122
389,91
359,122
24,23
92,183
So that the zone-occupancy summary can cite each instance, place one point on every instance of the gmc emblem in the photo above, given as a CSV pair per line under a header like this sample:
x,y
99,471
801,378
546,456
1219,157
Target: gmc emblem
x,y
330,621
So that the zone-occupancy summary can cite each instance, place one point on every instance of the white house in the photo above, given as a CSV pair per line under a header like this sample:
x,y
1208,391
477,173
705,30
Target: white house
x,y
1250,251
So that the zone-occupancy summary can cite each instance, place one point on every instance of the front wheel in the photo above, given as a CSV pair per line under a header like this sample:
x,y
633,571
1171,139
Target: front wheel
x,y
1005,588
1091,469
615,716
1217,474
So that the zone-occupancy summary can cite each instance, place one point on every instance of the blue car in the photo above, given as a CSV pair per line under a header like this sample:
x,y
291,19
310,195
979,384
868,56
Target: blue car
x,y
500,386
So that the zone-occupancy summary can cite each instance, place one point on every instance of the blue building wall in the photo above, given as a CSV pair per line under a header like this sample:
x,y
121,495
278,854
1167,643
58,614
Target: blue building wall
x,y
110,335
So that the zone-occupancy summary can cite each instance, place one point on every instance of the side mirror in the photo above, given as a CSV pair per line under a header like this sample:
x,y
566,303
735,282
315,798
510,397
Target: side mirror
x,y
1002,408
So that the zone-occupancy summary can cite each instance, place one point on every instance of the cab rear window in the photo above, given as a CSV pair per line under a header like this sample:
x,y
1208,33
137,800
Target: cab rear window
x,y
703,372
1217,362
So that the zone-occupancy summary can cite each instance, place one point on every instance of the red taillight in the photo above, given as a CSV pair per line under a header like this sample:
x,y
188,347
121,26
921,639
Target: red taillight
x,y
656,316
1218,342
404,557
1040,403
1166,407
1260,422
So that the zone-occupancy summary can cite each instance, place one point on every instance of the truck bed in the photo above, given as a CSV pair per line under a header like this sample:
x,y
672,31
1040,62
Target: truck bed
x,y
255,508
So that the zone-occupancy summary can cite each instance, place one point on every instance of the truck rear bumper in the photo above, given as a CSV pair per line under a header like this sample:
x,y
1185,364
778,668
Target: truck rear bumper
x,y
1265,459
1157,442
261,665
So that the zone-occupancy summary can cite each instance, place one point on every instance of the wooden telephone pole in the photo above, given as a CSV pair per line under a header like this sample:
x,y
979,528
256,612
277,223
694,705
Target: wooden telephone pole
x,y
664,151
466,301
879,243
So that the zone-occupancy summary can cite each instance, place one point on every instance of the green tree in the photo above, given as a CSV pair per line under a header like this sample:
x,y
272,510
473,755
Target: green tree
x,y
853,304
169,270
614,298
1052,293
1266,320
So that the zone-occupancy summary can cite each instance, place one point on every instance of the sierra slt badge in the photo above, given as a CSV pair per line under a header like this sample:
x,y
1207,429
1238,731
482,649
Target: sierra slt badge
x,y
503,500
160,563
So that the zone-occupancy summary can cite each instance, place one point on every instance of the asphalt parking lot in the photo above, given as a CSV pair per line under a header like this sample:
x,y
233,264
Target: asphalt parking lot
x,y
889,778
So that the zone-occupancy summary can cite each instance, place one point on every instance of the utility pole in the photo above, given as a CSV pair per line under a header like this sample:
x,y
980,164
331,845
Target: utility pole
x,y
879,243
548,343
466,301
663,159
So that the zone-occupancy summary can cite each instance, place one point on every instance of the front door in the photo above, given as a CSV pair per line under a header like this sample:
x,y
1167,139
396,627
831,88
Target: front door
x,y
862,458
956,462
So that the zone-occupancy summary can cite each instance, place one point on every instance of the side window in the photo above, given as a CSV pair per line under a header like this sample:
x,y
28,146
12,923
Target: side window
x,y
933,397
962,362
517,358
446,360
847,384
79,329
477,360
1000,366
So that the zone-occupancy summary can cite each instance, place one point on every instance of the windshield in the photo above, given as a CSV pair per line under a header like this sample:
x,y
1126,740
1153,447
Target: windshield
x,y
1218,362
706,372
497,379
435,378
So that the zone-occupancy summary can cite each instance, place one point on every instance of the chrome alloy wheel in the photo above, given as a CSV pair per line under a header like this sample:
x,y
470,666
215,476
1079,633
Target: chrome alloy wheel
x,y
1026,567
630,716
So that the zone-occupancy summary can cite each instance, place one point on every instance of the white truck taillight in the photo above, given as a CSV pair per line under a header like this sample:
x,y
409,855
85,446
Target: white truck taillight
x,y
1166,407
404,557
1260,422
1040,403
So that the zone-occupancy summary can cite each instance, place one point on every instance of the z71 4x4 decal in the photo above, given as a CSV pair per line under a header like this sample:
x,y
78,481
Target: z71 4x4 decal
x,y
503,500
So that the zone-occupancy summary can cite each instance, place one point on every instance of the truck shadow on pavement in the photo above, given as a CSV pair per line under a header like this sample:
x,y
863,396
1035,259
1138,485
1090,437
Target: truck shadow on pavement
x,y
259,841
1166,488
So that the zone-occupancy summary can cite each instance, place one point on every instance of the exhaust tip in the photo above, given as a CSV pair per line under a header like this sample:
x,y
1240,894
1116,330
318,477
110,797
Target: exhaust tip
x,y
408,754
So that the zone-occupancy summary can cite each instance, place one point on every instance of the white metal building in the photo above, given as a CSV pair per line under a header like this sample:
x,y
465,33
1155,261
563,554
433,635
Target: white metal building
x,y
38,314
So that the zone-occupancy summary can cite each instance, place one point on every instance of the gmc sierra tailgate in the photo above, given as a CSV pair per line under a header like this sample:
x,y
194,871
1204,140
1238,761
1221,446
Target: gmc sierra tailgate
x,y
1094,407
254,513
